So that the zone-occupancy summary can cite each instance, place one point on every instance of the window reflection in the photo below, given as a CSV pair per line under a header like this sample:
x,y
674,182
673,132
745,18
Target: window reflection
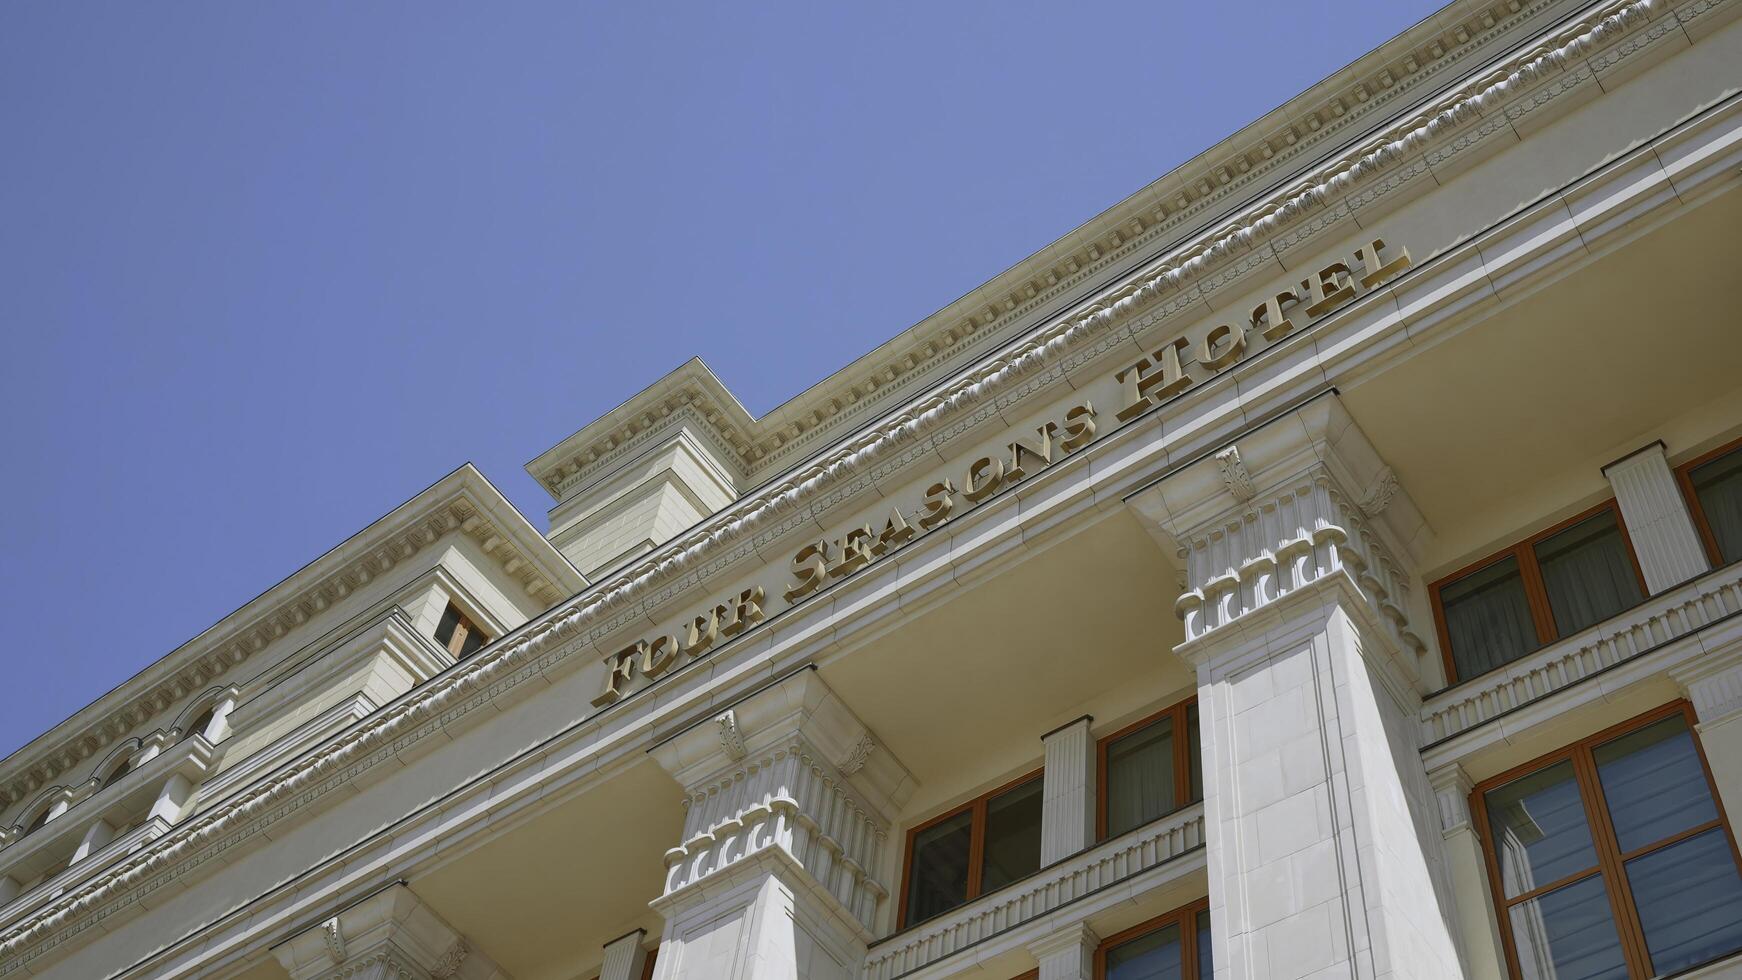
x,y
1540,832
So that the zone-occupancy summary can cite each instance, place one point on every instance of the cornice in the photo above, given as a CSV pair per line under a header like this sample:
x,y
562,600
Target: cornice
x,y
1177,204
729,535
462,501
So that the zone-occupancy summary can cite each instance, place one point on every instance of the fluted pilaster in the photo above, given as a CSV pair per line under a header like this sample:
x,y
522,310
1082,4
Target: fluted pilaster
x,y
1657,518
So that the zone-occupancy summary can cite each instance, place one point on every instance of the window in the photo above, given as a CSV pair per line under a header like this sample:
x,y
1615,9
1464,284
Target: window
x,y
199,725
1713,485
115,774
1175,945
41,818
1610,858
1149,769
1579,572
461,637
976,848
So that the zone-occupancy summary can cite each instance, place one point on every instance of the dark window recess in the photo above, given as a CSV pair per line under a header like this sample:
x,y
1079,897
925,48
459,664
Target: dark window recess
x,y
115,774
1714,488
1149,770
1175,946
1547,587
199,725
977,848
459,635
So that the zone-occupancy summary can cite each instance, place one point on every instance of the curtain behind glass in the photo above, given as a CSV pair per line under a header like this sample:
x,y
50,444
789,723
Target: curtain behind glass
x,y
938,875
1587,573
1012,848
1718,485
1140,777
1488,618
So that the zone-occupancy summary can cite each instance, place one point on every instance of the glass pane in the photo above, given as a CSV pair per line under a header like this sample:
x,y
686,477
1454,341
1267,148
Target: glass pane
x,y
1568,934
1140,777
1689,898
1488,618
1540,831
450,621
474,640
1206,963
1718,485
1654,784
1156,955
1012,836
937,879
1195,748
1587,573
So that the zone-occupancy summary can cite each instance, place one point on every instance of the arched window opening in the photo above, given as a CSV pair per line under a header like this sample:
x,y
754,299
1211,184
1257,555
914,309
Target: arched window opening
x,y
115,774
41,818
199,725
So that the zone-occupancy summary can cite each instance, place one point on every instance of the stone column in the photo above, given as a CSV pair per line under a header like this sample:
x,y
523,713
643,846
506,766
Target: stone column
x,y
624,957
98,836
1067,816
1714,685
1068,954
1657,518
390,935
174,799
1479,934
1324,848
788,801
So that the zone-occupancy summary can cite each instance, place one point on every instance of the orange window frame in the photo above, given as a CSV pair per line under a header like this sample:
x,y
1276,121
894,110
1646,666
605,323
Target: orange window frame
x,y
1610,859
463,628
1182,759
1186,917
976,841
1684,478
1535,593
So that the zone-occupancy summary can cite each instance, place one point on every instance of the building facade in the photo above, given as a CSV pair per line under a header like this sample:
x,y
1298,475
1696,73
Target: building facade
x,y
1325,563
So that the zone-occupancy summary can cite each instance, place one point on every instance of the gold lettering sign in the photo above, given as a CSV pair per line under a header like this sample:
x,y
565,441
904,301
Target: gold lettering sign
x,y
1154,379
653,657
1143,384
821,562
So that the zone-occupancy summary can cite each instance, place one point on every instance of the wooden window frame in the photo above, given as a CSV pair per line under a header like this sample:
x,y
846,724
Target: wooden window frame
x,y
464,626
1182,760
1611,860
1186,917
1684,479
1535,592
976,842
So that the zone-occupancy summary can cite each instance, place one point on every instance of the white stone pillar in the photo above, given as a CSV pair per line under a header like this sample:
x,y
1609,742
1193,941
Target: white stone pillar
x,y
788,803
1068,954
9,889
218,728
624,957
1657,518
1714,685
389,935
98,836
174,799
1479,935
1323,841
1067,816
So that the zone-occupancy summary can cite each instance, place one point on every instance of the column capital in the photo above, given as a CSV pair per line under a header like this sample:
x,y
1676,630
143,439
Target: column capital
x,y
1068,954
1452,788
390,934
1298,501
1714,684
789,768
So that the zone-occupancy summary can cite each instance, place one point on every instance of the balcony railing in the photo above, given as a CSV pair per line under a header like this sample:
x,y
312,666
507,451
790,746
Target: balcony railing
x,y
1653,624
1092,872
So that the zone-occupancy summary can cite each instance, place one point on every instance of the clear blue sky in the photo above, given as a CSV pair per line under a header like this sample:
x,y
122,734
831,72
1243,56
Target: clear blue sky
x,y
266,271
